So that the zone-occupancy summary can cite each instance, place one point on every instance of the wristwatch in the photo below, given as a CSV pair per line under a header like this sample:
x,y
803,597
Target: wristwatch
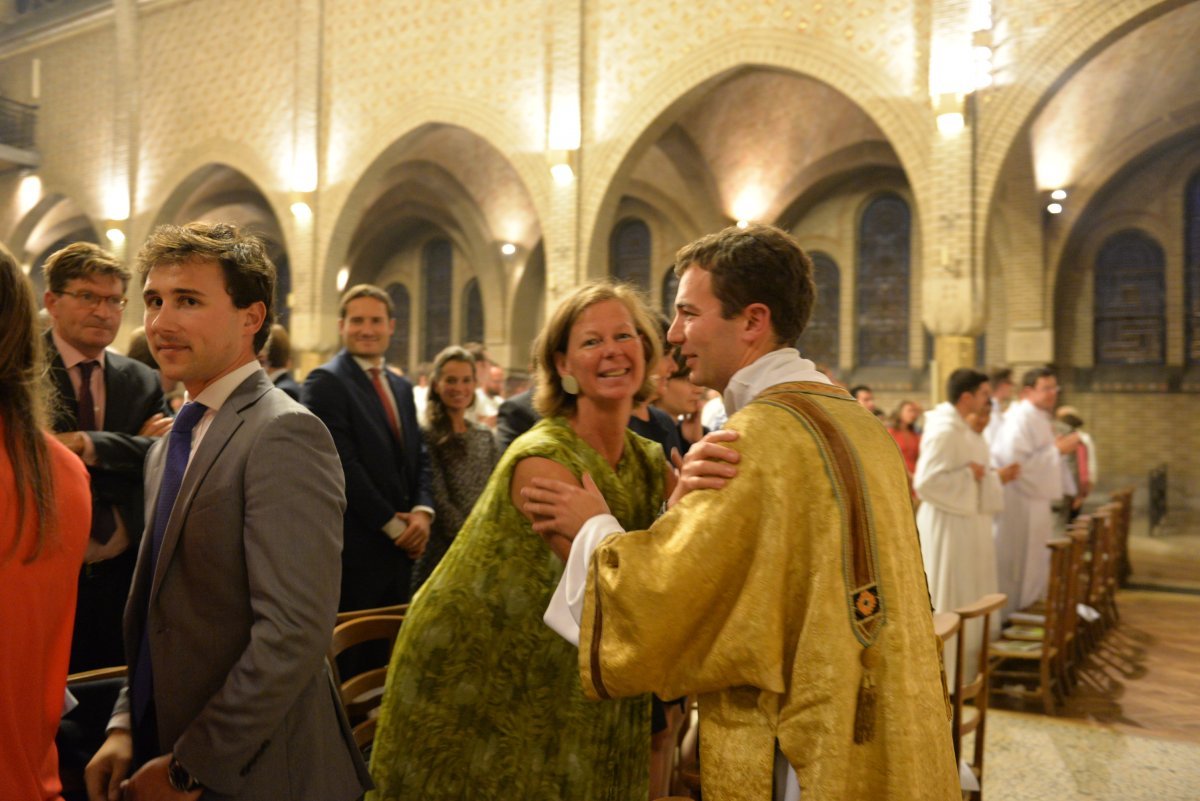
x,y
179,777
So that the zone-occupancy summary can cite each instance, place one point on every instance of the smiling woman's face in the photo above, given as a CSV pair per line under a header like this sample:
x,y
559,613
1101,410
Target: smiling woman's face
x,y
604,353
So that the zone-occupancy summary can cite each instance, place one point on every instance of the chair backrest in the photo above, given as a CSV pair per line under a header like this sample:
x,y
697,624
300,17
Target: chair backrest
x,y
358,691
946,625
1076,578
974,688
396,610
1056,593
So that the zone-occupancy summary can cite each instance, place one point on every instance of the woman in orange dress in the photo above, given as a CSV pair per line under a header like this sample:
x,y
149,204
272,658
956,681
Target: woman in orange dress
x,y
45,515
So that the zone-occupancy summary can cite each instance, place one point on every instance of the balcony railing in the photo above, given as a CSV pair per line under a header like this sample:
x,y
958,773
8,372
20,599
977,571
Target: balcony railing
x,y
17,122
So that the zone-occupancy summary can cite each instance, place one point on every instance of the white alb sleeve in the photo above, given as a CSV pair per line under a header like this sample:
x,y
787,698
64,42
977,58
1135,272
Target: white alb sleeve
x,y
566,605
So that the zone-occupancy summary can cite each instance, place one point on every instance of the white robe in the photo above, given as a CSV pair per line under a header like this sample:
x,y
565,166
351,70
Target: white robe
x,y
1027,523
995,422
955,521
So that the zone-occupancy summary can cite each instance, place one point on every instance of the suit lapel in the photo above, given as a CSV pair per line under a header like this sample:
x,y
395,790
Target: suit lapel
x,y
362,382
66,415
224,425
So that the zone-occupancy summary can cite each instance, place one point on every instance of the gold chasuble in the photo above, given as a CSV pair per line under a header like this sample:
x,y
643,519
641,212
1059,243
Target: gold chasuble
x,y
793,602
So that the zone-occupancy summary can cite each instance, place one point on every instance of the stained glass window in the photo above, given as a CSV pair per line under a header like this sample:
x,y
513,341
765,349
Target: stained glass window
x,y
437,267
629,250
884,240
1192,270
1130,300
472,312
397,352
819,341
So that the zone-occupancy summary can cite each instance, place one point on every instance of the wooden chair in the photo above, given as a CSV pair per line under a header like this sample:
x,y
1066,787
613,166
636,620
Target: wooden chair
x,y
396,610
970,697
946,625
1039,645
362,692
1124,500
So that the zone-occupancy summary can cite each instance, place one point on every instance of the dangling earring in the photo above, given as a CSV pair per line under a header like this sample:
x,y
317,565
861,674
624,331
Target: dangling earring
x,y
570,385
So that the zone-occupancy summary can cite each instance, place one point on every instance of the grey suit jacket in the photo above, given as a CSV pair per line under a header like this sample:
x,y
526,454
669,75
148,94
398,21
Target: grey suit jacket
x,y
241,607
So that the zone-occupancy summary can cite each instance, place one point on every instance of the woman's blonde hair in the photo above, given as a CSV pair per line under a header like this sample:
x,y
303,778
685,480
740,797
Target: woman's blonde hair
x,y
549,397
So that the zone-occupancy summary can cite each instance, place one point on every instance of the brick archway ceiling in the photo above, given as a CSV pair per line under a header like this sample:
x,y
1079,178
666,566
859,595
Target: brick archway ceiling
x,y
488,179
753,134
1111,105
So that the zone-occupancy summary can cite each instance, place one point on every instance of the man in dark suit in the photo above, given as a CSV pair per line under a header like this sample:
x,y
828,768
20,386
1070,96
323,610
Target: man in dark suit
x,y
110,408
516,416
235,592
276,359
369,411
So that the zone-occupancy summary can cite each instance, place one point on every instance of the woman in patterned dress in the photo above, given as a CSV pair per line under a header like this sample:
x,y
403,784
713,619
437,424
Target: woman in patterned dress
x,y
461,453
483,700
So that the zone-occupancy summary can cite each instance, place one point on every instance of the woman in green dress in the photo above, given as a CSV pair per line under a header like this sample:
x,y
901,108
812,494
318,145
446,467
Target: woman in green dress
x,y
482,699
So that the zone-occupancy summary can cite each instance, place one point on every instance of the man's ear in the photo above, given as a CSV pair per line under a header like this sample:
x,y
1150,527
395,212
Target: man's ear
x,y
758,321
256,313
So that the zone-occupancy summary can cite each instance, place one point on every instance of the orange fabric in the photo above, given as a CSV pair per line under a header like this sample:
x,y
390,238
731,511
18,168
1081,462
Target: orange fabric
x,y
37,611
910,447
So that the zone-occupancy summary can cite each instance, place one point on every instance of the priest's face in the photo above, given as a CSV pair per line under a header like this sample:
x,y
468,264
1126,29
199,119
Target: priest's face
x,y
1044,394
711,345
980,399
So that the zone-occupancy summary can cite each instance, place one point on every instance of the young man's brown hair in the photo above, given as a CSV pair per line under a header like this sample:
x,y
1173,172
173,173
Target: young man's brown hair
x,y
249,274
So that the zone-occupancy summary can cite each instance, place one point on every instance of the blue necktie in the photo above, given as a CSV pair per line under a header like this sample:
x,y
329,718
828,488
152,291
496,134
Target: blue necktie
x,y
179,446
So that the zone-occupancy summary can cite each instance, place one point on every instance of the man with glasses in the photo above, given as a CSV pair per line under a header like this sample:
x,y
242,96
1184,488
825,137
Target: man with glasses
x,y
1027,522
109,409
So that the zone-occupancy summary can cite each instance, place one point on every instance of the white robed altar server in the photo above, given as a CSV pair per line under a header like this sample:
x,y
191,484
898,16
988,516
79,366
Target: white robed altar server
x,y
960,492
1026,524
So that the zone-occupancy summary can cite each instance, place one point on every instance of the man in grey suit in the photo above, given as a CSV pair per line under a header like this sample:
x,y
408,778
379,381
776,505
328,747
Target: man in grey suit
x,y
236,586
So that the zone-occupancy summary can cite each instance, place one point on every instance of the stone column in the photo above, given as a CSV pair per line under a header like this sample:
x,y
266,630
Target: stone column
x,y
952,270
564,107
310,332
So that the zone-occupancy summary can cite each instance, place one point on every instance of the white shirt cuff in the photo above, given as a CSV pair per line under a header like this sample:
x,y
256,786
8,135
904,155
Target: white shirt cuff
x,y
566,605
393,528
427,510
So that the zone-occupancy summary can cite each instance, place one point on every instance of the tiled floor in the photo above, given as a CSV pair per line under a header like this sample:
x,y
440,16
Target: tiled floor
x,y
1130,730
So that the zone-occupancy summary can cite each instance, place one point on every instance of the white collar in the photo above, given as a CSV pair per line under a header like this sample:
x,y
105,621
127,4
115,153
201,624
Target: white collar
x,y
215,394
368,365
777,367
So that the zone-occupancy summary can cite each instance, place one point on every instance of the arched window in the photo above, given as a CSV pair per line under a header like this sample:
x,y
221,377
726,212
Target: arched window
x,y
437,270
670,288
629,251
819,341
1130,308
884,245
1192,270
397,352
472,312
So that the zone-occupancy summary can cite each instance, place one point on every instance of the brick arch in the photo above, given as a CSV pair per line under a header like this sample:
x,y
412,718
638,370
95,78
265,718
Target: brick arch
x,y
391,160
19,239
906,124
1074,40
176,184
525,157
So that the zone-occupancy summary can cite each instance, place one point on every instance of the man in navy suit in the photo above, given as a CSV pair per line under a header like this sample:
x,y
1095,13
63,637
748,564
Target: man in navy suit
x,y
369,410
109,409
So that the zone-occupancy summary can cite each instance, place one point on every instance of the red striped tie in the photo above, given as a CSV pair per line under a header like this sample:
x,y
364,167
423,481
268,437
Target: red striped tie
x,y
377,379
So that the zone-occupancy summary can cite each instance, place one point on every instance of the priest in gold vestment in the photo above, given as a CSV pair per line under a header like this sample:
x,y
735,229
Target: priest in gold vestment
x,y
792,599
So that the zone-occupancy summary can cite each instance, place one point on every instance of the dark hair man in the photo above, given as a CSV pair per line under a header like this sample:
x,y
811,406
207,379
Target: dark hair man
x,y
110,409
276,358
960,493
1002,390
369,410
865,397
801,616
1027,523
235,591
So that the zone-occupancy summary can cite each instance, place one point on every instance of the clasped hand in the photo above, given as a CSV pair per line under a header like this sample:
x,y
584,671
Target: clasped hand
x,y
559,508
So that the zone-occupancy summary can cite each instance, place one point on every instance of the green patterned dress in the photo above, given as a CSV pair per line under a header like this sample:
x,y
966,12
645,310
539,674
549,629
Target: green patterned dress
x,y
483,700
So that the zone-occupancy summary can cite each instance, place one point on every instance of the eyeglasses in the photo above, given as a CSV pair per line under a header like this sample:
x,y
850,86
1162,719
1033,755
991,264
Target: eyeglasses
x,y
92,300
